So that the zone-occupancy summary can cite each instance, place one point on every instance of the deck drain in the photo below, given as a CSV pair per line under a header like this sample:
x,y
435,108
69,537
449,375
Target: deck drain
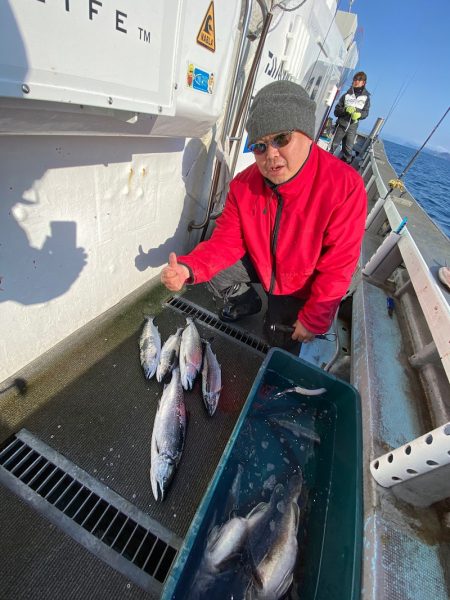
x,y
211,320
95,516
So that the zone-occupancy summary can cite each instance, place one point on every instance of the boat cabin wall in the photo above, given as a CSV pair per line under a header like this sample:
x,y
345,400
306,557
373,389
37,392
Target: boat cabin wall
x,y
98,187
105,162
307,46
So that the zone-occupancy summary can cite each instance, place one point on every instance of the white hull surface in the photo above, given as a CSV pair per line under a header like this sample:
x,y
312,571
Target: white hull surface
x,y
86,222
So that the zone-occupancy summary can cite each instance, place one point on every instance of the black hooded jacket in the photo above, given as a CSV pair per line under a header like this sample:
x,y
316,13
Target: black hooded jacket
x,y
357,97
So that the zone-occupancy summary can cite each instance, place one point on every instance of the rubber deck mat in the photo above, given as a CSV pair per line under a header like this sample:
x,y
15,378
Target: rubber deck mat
x,y
40,562
91,513
102,421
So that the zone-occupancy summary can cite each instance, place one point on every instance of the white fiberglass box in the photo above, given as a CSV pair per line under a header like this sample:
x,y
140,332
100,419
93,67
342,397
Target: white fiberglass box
x,y
109,53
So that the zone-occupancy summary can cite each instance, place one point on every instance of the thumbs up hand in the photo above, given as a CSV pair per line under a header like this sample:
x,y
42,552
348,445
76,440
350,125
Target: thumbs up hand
x,y
174,275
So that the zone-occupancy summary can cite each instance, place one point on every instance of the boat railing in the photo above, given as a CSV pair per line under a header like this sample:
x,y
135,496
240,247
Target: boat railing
x,y
386,204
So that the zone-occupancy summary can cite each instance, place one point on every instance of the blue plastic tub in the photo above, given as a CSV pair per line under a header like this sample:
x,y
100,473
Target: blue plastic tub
x,y
273,439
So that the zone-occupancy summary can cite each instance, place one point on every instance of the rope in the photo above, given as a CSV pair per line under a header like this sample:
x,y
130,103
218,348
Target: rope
x,y
397,184
281,6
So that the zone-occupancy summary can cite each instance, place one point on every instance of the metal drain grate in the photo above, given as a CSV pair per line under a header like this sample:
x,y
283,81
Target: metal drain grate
x,y
211,320
98,518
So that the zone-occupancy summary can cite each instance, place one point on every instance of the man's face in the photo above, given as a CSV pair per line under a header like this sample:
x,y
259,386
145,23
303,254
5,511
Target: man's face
x,y
280,164
357,83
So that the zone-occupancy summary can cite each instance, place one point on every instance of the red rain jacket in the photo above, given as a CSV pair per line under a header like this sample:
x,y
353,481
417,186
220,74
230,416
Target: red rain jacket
x,y
303,236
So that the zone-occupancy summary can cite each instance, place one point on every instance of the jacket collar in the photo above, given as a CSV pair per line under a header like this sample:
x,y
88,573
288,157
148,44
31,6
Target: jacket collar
x,y
357,91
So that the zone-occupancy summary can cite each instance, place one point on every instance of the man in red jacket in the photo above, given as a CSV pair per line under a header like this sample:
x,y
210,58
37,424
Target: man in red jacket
x,y
293,221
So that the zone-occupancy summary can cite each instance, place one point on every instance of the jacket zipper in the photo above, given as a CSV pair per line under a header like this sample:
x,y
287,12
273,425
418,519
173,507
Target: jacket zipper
x,y
273,246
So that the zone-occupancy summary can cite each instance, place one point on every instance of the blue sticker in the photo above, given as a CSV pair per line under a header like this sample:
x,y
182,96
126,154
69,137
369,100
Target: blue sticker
x,y
200,81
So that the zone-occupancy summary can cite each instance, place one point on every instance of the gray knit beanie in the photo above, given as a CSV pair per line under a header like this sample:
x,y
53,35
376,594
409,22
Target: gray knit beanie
x,y
280,106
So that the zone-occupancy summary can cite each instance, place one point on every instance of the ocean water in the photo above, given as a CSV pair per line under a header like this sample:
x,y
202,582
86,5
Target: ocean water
x,y
428,180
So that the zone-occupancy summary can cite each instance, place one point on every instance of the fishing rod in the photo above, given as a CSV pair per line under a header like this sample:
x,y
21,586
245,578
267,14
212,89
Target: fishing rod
x,y
408,166
398,183
397,99
394,104
371,140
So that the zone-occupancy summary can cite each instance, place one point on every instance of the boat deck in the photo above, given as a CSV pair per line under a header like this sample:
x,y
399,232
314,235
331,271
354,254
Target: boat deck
x,y
407,550
93,405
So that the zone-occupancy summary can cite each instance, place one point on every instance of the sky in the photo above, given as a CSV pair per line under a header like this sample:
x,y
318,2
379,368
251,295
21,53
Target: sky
x,y
404,47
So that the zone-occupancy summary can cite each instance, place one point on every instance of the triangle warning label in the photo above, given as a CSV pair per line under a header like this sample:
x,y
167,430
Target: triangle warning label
x,y
207,34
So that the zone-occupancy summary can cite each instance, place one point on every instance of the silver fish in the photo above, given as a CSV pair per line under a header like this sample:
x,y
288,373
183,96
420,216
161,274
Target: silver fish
x,y
224,544
260,524
229,543
211,380
301,390
169,431
222,554
274,573
296,429
150,347
190,354
168,359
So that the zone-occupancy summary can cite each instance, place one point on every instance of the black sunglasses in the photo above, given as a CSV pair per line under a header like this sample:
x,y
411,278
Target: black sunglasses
x,y
358,79
278,141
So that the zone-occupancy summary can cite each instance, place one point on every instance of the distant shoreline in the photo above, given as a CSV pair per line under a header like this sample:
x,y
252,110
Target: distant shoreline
x,y
437,153
444,154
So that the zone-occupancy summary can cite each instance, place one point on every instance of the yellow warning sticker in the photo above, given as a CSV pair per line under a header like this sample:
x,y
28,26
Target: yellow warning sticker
x,y
207,34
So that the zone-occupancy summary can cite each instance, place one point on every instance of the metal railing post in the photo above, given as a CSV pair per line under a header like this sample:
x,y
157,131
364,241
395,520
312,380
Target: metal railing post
x,y
372,136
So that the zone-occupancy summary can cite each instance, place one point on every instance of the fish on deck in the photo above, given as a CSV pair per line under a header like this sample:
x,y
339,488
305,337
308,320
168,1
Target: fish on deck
x,y
169,356
211,379
150,347
191,354
169,432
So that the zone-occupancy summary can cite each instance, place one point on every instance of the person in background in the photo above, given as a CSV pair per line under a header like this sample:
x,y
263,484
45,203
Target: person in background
x,y
293,221
352,107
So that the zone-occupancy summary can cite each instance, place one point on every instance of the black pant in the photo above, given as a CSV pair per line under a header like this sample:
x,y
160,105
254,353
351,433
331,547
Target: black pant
x,y
347,135
280,309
